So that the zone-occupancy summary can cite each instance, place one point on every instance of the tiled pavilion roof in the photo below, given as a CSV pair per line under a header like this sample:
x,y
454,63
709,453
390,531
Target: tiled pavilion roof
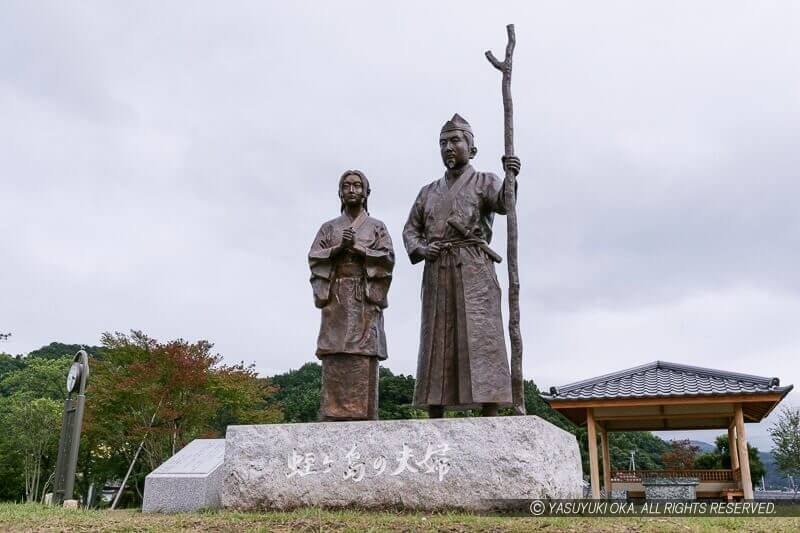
x,y
662,379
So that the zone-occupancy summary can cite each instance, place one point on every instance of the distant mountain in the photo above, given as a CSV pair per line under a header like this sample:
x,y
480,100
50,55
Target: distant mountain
x,y
704,446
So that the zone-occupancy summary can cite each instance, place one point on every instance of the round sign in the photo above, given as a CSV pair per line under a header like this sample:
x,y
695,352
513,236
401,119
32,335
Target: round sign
x,y
73,376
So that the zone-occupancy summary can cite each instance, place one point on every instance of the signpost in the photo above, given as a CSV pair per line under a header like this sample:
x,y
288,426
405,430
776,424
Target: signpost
x,y
70,439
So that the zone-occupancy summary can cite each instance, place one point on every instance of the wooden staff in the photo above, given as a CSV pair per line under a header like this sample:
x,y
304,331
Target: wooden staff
x,y
517,386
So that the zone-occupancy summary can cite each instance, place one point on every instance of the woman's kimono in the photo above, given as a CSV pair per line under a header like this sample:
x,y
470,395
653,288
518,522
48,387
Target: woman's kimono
x,y
462,360
351,288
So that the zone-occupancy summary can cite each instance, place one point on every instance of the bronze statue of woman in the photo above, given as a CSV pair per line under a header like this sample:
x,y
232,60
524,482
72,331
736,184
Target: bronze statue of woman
x,y
351,262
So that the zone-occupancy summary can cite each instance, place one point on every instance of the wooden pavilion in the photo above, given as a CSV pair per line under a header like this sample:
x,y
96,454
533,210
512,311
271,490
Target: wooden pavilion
x,y
663,396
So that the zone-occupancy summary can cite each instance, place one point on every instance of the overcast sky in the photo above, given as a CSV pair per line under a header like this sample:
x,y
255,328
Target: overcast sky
x,y
165,166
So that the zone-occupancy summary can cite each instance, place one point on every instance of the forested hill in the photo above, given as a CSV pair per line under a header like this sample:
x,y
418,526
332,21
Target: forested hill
x,y
164,394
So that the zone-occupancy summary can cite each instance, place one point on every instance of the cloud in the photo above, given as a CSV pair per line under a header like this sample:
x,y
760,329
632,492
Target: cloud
x,y
165,167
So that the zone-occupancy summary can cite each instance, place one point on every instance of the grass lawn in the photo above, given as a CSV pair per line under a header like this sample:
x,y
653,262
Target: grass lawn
x,y
30,517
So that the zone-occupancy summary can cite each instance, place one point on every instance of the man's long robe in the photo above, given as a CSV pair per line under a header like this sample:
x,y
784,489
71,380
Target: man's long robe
x,y
462,360
351,290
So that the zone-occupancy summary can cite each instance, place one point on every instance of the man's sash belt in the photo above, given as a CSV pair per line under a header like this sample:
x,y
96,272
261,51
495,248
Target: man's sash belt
x,y
448,245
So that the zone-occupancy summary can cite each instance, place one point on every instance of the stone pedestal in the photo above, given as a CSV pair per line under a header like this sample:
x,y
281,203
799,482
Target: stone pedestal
x,y
665,488
452,463
190,480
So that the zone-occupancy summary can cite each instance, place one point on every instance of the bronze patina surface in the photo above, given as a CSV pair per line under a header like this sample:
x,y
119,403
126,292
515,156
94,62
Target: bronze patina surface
x,y
462,360
349,387
351,262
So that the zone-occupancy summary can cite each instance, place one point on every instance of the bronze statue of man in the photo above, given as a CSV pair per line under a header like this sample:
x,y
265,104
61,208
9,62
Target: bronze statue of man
x,y
351,262
462,362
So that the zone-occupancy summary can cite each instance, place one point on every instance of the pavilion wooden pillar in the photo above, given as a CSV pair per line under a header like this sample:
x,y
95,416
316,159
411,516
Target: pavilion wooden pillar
x,y
606,461
733,447
594,469
744,457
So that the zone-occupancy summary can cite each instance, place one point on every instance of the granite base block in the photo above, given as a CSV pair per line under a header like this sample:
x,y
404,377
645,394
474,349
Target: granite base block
x,y
190,480
451,463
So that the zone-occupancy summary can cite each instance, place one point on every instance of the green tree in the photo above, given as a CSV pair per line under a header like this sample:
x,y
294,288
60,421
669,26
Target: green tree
x,y
38,378
649,450
785,433
156,397
33,444
708,461
11,474
396,396
9,363
22,382
241,397
298,393
57,350
535,405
